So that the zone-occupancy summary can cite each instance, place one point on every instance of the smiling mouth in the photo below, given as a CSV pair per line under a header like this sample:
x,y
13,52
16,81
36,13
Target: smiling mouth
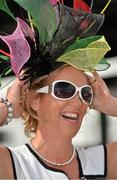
x,y
70,116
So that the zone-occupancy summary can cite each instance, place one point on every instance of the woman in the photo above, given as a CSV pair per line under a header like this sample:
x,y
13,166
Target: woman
x,y
56,122
58,95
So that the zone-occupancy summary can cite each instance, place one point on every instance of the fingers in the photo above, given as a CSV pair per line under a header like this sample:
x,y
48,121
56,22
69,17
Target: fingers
x,y
21,84
17,89
95,80
97,76
90,79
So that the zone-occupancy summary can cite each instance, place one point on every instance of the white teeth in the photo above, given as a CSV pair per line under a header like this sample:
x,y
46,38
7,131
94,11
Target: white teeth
x,y
70,115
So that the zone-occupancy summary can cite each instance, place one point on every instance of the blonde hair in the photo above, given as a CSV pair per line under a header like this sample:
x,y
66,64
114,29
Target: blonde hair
x,y
29,115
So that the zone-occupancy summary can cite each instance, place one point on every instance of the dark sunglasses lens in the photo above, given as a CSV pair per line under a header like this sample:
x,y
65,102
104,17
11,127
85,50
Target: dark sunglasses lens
x,y
86,93
64,90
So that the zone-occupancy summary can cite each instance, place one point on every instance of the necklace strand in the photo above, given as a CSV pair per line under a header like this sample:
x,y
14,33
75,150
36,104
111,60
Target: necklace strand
x,y
54,163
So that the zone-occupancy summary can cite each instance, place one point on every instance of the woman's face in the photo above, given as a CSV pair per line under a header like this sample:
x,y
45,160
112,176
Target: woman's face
x,y
62,118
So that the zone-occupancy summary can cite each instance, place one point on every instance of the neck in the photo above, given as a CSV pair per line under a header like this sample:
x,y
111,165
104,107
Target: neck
x,y
55,150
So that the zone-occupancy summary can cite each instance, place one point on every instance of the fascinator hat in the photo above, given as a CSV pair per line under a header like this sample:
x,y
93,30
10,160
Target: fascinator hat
x,y
52,35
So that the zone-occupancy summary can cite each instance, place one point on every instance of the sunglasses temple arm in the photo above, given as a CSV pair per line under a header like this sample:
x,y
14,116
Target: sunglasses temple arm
x,y
43,90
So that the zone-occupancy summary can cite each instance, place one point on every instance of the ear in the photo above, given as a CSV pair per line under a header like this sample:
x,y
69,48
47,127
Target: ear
x,y
34,102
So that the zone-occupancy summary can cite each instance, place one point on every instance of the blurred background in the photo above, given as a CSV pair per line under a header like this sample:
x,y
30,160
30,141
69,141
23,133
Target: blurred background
x,y
97,128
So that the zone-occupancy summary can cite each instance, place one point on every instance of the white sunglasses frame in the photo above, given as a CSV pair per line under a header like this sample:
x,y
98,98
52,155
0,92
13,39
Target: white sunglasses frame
x,y
50,89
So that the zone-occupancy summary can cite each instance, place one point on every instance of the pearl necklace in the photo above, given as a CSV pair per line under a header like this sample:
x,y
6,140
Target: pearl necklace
x,y
54,163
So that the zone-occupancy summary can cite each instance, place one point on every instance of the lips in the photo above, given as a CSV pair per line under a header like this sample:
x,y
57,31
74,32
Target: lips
x,y
70,116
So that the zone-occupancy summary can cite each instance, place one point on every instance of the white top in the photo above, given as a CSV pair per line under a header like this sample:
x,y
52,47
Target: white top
x,y
27,164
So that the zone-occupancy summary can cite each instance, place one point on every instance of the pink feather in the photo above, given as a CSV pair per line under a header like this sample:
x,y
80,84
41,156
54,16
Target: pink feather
x,y
18,45
53,2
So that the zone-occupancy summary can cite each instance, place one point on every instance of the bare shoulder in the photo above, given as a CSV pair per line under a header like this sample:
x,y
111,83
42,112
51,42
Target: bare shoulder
x,y
112,160
6,171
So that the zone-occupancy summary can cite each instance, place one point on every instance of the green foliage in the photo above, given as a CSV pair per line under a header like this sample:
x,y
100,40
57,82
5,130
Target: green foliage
x,y
4,7
88,55
5,58
44,17
82,43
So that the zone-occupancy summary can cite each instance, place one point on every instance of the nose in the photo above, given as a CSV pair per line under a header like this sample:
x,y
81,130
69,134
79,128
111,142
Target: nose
x,y
76,101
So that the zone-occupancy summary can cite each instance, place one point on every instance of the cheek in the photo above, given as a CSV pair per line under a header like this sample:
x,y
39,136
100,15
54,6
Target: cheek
x,y
49,108
84,109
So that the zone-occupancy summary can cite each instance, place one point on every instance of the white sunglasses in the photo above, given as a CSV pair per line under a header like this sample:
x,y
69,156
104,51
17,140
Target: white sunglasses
x,y
65,90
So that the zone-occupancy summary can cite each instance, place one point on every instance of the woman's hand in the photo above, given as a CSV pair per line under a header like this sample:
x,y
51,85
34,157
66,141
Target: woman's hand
x,y
103,100
14,96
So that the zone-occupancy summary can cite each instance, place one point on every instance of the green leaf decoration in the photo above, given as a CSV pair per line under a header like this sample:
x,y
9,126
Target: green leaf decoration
x,y
44,17
0,80
82,43
86,58
103,61
103,64
8,72
4,7
5,58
